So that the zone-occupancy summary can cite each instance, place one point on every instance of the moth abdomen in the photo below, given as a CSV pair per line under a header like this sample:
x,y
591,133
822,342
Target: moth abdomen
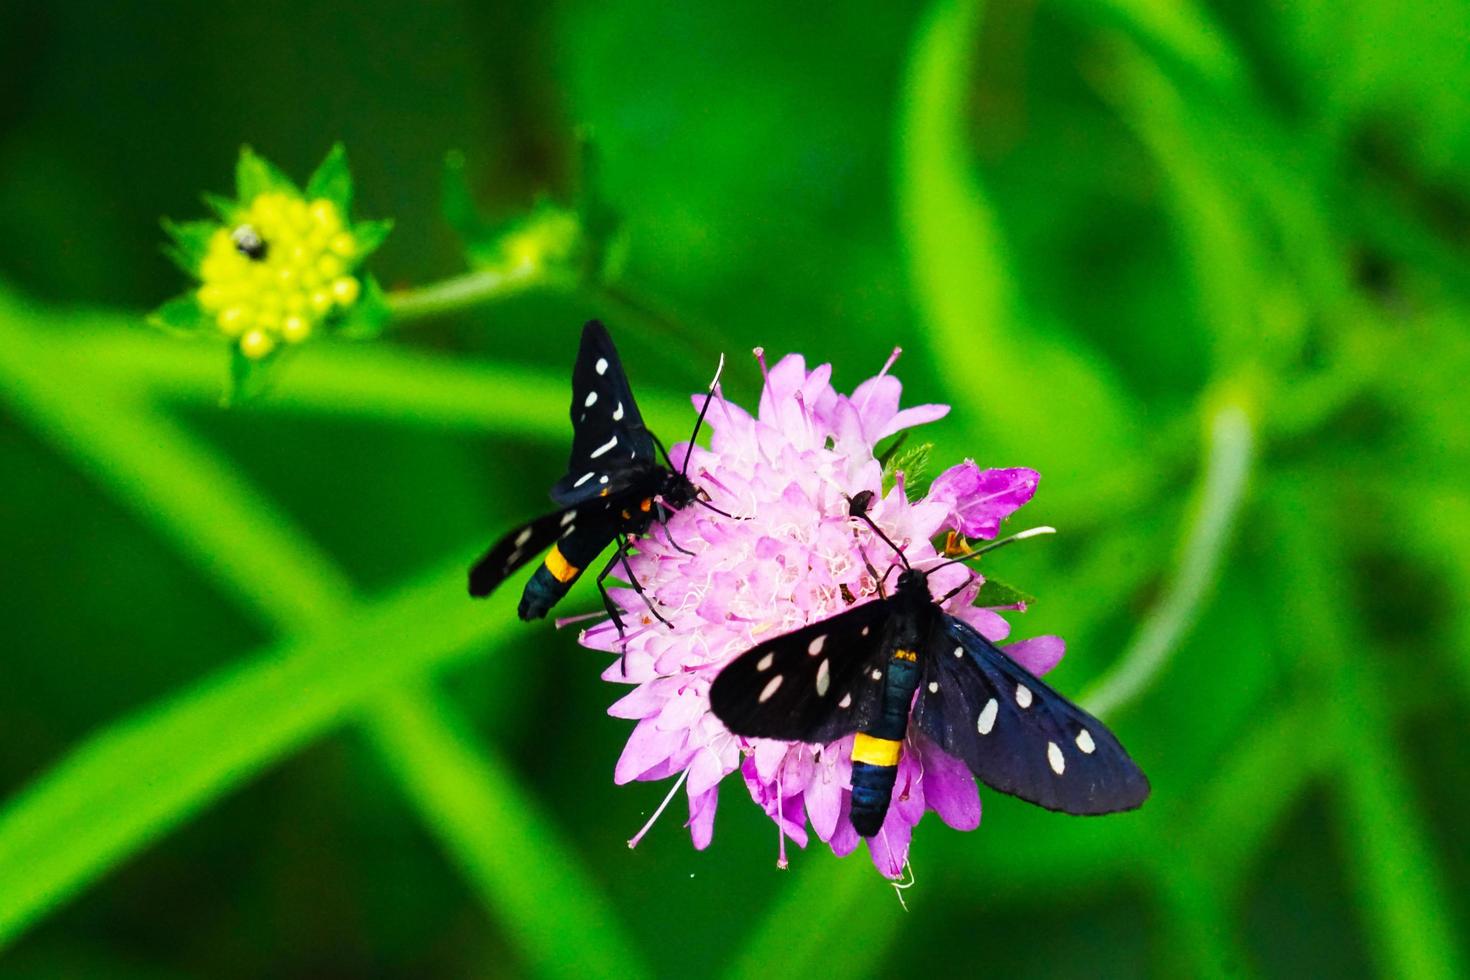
x,y
874,771
552,580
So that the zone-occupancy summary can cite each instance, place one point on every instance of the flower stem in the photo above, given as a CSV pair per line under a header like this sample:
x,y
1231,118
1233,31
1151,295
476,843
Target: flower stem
x,y
1227,464
465,290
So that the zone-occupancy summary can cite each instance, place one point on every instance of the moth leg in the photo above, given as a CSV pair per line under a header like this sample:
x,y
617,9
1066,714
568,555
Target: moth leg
x,y
607,603
663,519
633,581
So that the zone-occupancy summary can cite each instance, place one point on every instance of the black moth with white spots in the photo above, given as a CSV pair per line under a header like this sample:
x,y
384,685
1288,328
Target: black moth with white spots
x,y
858,671
614,487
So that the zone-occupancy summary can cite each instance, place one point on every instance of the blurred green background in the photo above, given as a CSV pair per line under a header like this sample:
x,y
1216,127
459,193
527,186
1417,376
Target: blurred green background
x,y
249,726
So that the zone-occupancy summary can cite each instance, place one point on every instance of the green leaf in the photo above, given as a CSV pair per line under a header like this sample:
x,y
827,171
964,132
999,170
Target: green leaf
x,y
190,243
508,847
997,593
793,938
227,209
255,175
333,180
370,235
181,315
249,377
604,245
196,745
368,316
1047,399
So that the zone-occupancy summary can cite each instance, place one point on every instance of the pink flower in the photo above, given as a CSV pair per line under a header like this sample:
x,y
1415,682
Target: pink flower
x,y
792,558
980,499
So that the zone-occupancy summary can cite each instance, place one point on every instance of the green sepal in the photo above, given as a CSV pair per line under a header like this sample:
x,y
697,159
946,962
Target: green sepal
x,y
997,593
182,316
912,462
368,316
227,209
190,243
255,175
457,202
332,180
248,378
369,235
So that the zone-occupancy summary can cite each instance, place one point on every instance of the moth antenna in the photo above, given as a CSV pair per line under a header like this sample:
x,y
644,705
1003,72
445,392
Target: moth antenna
x,y
633,841
708,397
709,506
1030,532
858,507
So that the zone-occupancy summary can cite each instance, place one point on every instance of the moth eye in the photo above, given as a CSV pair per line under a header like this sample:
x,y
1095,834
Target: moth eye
x,y
249,243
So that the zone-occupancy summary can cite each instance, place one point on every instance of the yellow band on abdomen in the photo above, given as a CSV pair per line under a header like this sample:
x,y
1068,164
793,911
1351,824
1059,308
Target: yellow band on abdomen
x,y
560,569
908,655
875,751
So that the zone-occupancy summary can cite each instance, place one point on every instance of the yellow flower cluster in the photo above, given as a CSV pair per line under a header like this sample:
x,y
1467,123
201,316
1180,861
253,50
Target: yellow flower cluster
x,y
279,272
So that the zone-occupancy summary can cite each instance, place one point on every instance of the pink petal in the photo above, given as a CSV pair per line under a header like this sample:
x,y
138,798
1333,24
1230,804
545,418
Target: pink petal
x,y
1038,654
889,847
824,803
707,769
988,624
949,788
910,417
701,821
646,748
980,499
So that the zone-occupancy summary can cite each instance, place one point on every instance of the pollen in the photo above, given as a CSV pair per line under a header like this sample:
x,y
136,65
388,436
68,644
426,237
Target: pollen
x,y
279,272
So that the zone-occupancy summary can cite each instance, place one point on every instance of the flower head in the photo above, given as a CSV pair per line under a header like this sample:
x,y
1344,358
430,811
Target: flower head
x,y
794,557
278,265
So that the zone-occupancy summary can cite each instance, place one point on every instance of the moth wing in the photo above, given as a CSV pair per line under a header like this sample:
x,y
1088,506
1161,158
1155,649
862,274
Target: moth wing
x,y
611,447
1015,733
814,684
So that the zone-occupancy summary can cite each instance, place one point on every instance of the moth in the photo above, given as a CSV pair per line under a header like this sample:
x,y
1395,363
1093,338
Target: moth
x,y
859,670
615,488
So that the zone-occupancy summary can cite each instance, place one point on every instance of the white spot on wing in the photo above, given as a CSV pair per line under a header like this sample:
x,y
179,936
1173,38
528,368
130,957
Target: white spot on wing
x,y
770,689
568,517
604,447
1054,756
864,632
877,674
600,479
764,664
1085,742
824,678
986,721
1023,695
569,530
591,399
815,647
933,687
618,413
601,365
846,701
583,479
523,537
959,651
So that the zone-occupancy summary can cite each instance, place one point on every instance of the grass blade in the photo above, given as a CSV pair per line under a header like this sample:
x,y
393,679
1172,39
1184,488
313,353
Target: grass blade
x,y
503,841
147,773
